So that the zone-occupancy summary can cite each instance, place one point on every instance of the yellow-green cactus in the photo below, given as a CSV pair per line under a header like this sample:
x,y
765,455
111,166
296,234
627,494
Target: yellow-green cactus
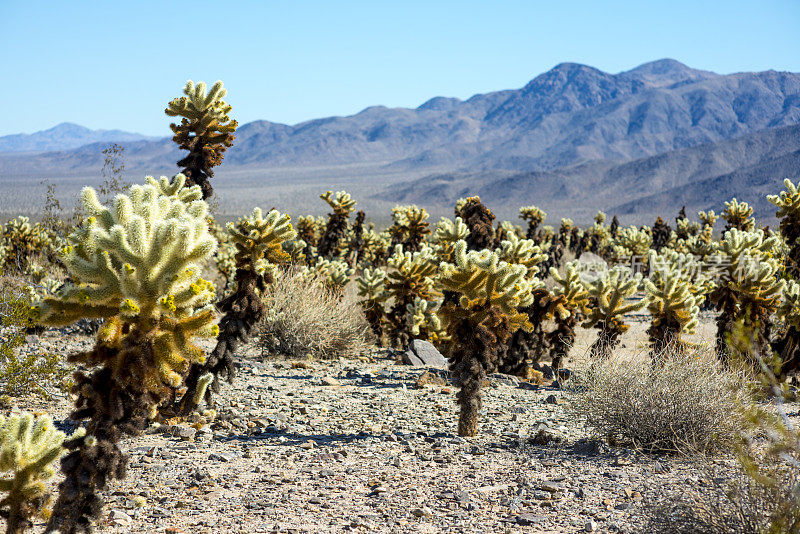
x,y
206,131
787,343
425,322
610,299
335,274
534,216
630,244
372,290
522,252
330,244
748,288
410,275
788,203
28,448
738,215
410,227
135,264
568,305
672,301
448,233
490,294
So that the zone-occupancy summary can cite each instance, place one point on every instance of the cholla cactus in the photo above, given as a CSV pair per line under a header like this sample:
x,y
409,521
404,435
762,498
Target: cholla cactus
x,y
21,241
258,240
375,248
372,290
607,306
526,347
738,215
330,244
748,289
600,217
335,274
355,240
787,342
410,227
206,131
478,325
411,276
310,229
478,219
662,234
788,203
631,244
447,234
569,302
28,448
136,265
534,216
673,302
708,219
425,322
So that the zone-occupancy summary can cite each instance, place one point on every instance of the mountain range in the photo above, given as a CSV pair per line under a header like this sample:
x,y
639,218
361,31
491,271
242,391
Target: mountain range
x,y
572,141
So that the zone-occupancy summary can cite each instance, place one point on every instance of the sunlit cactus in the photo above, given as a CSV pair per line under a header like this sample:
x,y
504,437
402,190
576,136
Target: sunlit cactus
x,y
526,346
410,275
206,131
787,341
610,298
375,248
20,242
479,220
330,244
788,203
738,215
28,448
673,301
410,227
335,274
491,292
258,240
708,219
137,266
534,216
447,234
425,322
372,290
569,301
748,289
630,244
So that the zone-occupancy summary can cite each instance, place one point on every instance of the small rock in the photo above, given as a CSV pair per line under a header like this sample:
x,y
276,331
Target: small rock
x,y
590,526
551,399
32,340
421,512
330,381
530,519
310,444
221,457
119,517
552,487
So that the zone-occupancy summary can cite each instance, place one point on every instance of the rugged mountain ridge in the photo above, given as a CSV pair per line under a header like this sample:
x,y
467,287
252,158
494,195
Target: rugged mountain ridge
x,y
570,130
64,136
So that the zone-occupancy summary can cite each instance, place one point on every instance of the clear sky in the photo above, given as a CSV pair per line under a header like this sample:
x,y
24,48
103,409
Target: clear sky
x,y
115,64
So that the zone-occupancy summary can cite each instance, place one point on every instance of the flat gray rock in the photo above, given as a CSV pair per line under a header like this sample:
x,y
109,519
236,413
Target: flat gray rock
x,y
426,353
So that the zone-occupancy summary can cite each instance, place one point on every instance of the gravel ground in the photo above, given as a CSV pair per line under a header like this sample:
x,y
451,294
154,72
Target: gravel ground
x,y
359,445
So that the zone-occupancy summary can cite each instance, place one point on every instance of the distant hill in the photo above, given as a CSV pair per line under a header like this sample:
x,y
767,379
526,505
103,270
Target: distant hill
x,y
574,138
64,136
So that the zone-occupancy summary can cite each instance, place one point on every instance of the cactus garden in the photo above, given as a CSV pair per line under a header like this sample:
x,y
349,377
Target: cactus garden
x,y
352,371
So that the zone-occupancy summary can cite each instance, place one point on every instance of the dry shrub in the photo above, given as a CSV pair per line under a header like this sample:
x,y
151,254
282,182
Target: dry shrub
x,y
307,319
735,505
688,403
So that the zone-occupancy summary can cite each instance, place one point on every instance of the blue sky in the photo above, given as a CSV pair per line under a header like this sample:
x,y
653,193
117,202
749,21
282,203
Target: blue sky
x,y
116,64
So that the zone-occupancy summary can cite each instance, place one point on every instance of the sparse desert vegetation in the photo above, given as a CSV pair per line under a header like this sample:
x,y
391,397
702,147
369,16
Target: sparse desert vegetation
x,y
651,345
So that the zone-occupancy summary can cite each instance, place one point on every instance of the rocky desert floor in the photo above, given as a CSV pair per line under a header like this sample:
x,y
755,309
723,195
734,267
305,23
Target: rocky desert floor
x,y
359,445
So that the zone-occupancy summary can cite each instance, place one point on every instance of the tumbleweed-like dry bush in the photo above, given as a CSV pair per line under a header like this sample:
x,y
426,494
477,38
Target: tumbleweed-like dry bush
x,y
687,404
305,318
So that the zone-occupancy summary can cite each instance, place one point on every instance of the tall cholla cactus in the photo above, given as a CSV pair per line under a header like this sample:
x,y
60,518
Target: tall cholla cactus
x,y
631,243
748,289
738,215
607,305
258,240
410,276
410,227
206,131
20,240
136,265
569,302
447,234
526,347
673,301
788,203
28,448
334,274
481,322
372,290
329,245
479,220
425,321
787,343
534,216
